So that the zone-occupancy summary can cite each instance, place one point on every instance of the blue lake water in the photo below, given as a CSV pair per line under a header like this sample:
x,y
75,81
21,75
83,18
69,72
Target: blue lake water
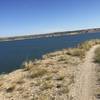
x,y
13,53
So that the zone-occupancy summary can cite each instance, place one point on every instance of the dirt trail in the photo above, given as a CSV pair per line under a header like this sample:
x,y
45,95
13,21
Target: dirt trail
x,y
85,78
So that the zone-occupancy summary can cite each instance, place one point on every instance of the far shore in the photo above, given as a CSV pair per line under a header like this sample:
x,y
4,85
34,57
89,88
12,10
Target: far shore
x,y
94,30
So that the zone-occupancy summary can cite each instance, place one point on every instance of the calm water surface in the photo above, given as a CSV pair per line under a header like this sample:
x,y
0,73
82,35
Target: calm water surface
x,y
13,53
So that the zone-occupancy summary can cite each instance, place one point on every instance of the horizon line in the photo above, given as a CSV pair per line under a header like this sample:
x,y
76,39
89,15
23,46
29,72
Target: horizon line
x,y
43,33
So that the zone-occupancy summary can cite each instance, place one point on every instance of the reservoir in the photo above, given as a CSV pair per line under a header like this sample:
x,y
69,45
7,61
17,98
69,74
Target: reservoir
x,y
14,53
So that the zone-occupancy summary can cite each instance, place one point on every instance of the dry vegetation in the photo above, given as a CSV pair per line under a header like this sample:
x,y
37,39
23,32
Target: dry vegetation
x,y
82,48
97,90
97,55
51,78
97,60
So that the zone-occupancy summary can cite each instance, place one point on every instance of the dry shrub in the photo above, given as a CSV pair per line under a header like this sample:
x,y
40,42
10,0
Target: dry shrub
x,y
37,72
97,55
28,65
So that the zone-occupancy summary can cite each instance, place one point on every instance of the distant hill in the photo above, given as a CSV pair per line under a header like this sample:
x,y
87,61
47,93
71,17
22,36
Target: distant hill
x,y
51,34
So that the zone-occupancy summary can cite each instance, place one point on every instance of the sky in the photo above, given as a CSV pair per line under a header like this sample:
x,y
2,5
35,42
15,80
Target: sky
x,y
24,17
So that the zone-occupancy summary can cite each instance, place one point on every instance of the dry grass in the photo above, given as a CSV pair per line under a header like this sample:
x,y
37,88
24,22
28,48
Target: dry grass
x,y
1,83
46,85
97,60
82,48
97,55
28,65
37,72
10,88
76,52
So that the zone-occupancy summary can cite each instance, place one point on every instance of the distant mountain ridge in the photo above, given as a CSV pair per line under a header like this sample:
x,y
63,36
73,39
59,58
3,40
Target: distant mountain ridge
x,y
51,34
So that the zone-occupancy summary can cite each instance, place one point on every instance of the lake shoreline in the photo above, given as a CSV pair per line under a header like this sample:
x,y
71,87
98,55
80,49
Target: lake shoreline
x,y
47,35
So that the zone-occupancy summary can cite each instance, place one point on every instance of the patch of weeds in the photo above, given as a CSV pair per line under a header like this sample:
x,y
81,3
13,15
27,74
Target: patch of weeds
x,y
28,65
37,72
58,77
71,80
1,83
61,59
46,85
65,90
45,97
97,55
97,93
77,52
20,82
10,88
48,77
